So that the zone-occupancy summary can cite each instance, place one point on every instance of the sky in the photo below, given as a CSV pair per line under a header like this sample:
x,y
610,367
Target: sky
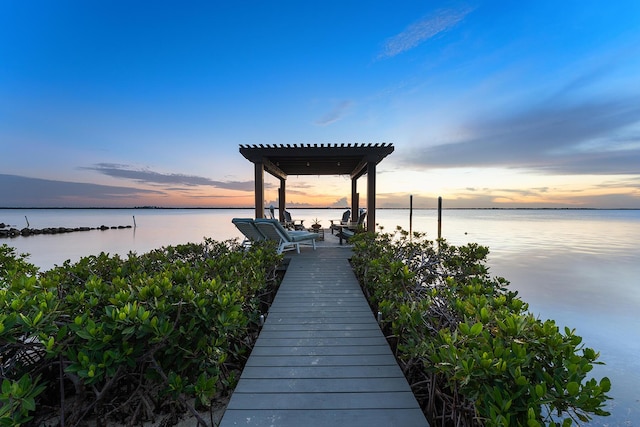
x,y
488,104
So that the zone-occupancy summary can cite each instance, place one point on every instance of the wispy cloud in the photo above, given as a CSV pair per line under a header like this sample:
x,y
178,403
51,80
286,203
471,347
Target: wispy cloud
x,y
337,113
600,137
146,176
421,31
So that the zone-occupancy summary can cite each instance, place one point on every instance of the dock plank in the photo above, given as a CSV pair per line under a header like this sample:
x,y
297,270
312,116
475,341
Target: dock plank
x,y
320,385
320,351
405,417
322,360
312,401
297,333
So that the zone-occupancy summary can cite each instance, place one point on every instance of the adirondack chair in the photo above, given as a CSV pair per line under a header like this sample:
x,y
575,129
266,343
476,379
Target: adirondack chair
x,y
336,223
291,224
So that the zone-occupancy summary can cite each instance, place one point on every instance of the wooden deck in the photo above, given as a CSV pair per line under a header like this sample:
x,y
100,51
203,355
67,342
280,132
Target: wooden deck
x,y
321,359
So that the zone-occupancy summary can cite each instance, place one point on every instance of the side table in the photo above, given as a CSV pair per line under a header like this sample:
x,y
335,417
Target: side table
x,y
320,232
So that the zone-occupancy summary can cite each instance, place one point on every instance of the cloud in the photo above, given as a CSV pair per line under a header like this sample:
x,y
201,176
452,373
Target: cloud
x,y
421,31
488,198
338,112
150,177
341,203
632,183
600,137
19,191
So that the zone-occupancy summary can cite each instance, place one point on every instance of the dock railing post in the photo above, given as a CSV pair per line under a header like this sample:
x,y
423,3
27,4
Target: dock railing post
x,y
439,218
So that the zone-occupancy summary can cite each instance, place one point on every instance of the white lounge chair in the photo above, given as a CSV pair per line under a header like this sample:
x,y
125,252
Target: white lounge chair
x,y
287,240
248,228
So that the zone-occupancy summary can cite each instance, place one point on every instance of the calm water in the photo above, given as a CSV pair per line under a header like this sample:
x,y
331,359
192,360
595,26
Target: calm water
x,y
580,268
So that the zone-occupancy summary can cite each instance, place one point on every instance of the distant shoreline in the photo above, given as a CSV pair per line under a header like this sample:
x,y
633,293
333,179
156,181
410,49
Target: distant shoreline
x,y
309,208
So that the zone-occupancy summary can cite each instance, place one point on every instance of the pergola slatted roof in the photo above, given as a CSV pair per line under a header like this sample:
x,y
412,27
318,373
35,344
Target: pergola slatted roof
x,y
314,159
353,159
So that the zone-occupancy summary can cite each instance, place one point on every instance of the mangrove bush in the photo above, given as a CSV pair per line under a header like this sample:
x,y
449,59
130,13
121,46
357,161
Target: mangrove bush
x,y
472,352
126,339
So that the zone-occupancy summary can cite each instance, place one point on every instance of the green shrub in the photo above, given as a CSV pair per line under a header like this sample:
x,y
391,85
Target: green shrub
x,y
474,354
131,336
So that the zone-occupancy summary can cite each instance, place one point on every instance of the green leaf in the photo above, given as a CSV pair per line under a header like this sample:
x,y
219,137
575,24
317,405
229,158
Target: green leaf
x,y
573,388
37,318
84,334
464,328
476,329
6,387
128,330
29,404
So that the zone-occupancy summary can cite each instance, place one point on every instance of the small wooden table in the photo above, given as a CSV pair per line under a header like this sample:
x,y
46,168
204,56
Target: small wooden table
x,y
319,231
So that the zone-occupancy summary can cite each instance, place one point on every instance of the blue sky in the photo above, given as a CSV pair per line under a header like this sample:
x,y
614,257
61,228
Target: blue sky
x,y
488,104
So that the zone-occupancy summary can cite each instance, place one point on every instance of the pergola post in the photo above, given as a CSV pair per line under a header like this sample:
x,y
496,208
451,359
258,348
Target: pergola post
x,y
355,199
259,186
371,196
282,202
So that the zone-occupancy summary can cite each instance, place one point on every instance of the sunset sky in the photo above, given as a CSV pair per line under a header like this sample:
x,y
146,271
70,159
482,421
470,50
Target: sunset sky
x,y
487,103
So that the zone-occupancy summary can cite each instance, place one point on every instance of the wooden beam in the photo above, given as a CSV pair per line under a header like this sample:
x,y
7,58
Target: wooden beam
x,y
359,170
274,169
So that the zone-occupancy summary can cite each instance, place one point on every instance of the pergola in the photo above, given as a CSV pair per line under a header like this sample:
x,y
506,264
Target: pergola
x,y
281,161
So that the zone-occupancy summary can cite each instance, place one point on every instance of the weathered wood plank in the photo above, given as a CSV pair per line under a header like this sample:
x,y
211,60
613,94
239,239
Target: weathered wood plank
x,y
314,401
375,371
326,418
320,351
364,326
314,333
322,360
320,385
321,342
311,309
301,318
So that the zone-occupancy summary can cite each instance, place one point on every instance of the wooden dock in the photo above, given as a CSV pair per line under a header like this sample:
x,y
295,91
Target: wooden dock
x,y
321,359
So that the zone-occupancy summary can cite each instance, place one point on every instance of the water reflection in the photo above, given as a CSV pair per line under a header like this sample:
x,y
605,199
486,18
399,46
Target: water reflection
x,y
579,268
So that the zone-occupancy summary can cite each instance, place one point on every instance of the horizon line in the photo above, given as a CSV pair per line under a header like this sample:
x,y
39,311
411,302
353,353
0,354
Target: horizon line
x,y
317,207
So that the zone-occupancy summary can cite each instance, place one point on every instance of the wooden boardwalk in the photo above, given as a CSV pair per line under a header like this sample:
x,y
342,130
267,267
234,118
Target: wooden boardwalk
x,y
321,359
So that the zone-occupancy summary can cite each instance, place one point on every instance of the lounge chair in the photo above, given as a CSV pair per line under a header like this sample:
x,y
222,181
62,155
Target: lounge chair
x,y
336,223
287,240
248,228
